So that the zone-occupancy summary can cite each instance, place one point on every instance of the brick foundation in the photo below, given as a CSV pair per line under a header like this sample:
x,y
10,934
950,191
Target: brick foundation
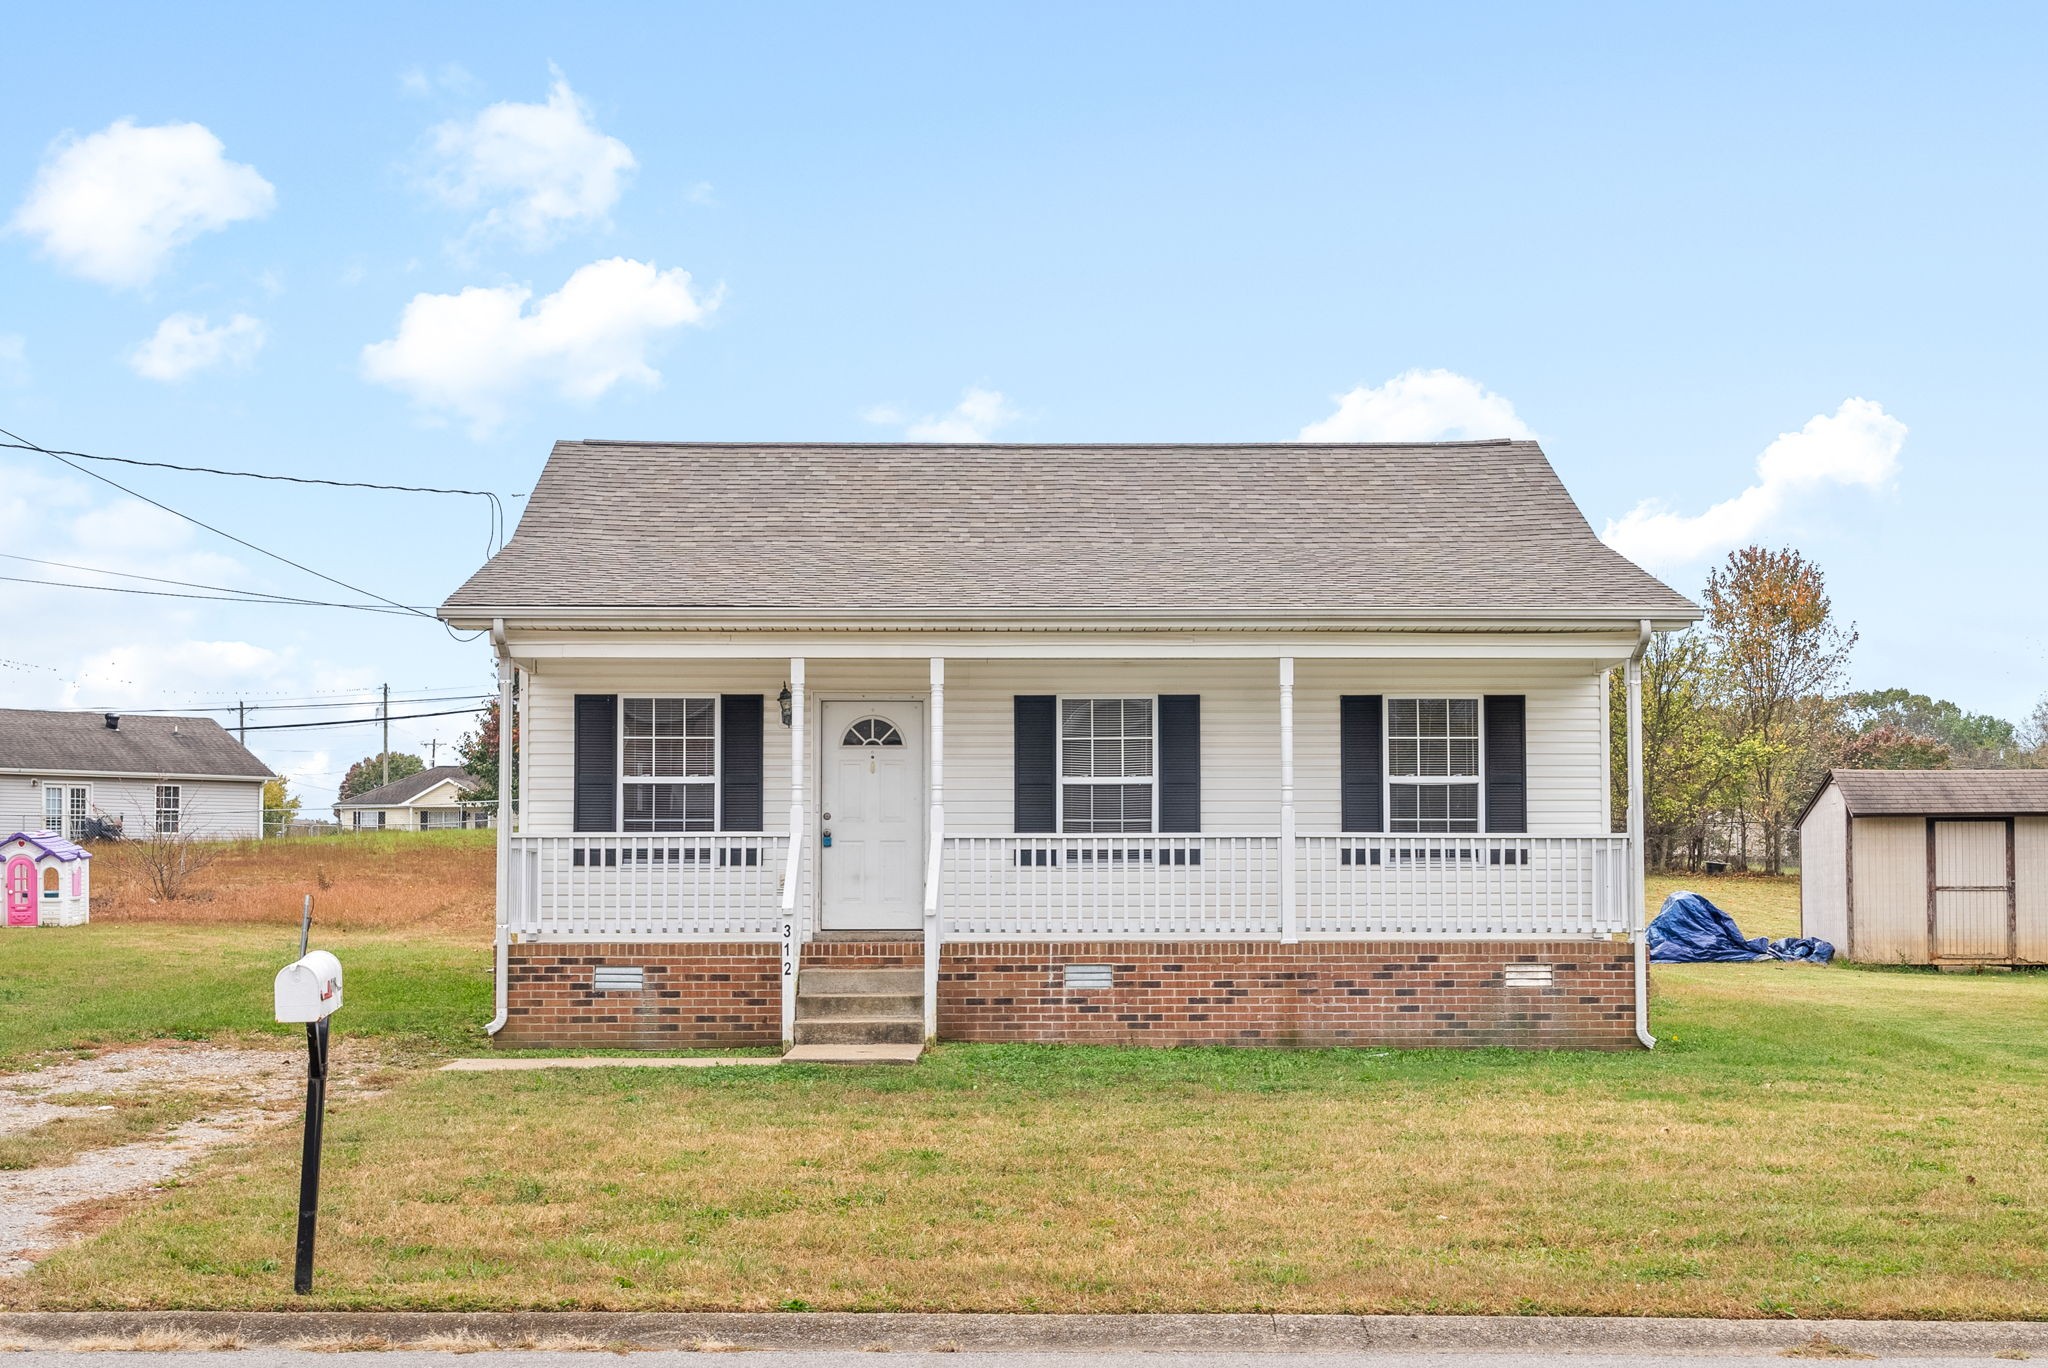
x,y
714,993
1400,993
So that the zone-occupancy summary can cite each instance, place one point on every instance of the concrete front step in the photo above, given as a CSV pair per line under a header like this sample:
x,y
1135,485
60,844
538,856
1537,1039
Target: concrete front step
x,y
821,1006
835,982
861,1031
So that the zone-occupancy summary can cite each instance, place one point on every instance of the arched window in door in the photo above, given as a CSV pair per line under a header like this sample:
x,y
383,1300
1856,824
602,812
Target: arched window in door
x,y
872,731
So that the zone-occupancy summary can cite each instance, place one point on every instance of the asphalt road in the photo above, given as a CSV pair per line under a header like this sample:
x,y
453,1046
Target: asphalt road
x,y
542,1358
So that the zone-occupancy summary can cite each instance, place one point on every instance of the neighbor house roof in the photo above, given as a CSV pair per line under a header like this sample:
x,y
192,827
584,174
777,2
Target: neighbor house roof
x,y
1939,793
34,741
1468,528
399,792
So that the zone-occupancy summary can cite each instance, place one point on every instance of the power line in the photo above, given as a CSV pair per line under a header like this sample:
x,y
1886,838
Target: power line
x,y
273,600
257,594
219,532
361,721
497,508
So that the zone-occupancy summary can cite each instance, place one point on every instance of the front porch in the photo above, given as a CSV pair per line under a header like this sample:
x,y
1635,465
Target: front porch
x,y
1294,930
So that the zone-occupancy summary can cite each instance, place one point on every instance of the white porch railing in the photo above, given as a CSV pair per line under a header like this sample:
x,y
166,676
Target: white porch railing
x,y
709,887
1149,887
1363,886
1090,887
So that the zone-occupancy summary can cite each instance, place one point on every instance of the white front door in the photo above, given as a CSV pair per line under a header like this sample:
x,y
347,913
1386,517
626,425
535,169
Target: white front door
x,y
871,816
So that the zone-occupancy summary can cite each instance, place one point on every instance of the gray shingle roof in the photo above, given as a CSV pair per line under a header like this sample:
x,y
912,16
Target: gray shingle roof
x,y
1467,527
399,792
81,743
1941,793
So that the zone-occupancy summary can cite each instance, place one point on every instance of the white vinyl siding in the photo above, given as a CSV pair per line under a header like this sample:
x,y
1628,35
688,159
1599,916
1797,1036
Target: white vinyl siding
x,y
208,809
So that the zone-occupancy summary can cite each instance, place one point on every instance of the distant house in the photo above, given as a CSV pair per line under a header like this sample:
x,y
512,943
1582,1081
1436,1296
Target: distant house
x,y
431,800
78,773
1299,745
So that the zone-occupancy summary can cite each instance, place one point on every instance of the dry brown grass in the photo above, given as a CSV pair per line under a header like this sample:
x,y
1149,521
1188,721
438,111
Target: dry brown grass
x,y
438,882
167,1340
115,1119
1821,1347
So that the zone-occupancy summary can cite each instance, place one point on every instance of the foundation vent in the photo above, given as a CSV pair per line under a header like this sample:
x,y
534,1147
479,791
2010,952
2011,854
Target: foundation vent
x,y
1083,977
1526,976
618,978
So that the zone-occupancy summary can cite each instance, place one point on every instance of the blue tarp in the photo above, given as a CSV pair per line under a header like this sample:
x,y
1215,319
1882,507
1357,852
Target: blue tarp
x,y
1691,930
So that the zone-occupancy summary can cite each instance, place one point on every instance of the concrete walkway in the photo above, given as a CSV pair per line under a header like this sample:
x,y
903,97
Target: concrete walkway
x,y
830,1337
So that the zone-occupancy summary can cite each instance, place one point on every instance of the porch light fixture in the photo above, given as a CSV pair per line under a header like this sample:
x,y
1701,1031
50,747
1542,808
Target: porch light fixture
x,y
783,699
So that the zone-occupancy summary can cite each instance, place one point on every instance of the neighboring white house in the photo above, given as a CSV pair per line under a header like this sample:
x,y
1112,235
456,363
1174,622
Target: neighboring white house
x,y
74,773
1251,744
431,800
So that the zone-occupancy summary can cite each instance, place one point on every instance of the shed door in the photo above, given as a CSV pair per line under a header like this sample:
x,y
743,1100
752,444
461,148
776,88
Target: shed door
x,y
1972,891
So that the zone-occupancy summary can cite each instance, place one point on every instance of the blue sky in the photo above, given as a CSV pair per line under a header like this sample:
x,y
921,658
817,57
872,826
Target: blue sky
x,y
1657,238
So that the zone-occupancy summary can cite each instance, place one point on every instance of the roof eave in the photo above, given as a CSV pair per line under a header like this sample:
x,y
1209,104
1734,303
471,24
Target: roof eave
x,y
1663,617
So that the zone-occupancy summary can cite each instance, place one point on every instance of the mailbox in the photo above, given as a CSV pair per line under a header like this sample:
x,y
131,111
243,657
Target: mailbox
x,y
309,989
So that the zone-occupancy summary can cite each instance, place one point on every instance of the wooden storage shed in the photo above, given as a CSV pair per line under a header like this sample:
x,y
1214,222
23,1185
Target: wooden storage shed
x,y
1945,867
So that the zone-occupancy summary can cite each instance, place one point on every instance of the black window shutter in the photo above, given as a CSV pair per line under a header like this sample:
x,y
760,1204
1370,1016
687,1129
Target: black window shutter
x,y
739,762
1504,724
1037,763
1358,738
597,762
1180,762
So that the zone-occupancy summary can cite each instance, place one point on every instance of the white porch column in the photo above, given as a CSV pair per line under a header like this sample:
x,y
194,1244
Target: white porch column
x,y
936,837
1290,931
1633,678
792,868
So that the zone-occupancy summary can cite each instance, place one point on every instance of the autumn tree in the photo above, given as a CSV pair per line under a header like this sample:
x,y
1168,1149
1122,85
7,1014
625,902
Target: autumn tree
x,y
478,752
1780,655
280,806
368,772
1969,740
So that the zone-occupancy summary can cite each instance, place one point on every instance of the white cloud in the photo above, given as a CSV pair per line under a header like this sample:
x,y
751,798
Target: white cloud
x,y
472,353
142,674
129,526
536,170
974,419
185,344
1855,446
114,205
451,77
1419,406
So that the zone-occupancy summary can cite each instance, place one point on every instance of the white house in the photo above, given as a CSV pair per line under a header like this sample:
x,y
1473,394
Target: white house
x,y
1255,744
45,880
432,800
74,773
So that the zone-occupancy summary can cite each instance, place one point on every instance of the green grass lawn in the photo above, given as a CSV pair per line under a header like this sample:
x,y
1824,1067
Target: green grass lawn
x,y
1826,1141
110,982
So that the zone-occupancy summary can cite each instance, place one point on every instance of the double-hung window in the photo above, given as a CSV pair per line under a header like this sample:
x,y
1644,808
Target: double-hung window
x,y
1433,764
669,754
1107,764
167,804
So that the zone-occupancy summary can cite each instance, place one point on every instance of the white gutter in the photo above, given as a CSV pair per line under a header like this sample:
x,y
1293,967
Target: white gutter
x,y
502,964
1636,805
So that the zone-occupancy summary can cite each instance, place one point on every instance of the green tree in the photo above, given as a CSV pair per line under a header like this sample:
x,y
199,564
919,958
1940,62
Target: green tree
x,y
280,806
1972,740
1779,654
368,772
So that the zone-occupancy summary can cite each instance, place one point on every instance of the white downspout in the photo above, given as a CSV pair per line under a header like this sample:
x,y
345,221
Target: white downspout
x,y
936,837
1637,917
498,987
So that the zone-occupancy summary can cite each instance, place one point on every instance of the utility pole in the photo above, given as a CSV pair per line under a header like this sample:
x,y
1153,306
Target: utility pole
x,y
242,723
385,712
433,753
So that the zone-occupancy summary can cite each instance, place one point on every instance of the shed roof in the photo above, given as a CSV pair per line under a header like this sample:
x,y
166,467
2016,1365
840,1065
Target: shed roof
x,y
1939,793
399,792
1373,531
142,746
